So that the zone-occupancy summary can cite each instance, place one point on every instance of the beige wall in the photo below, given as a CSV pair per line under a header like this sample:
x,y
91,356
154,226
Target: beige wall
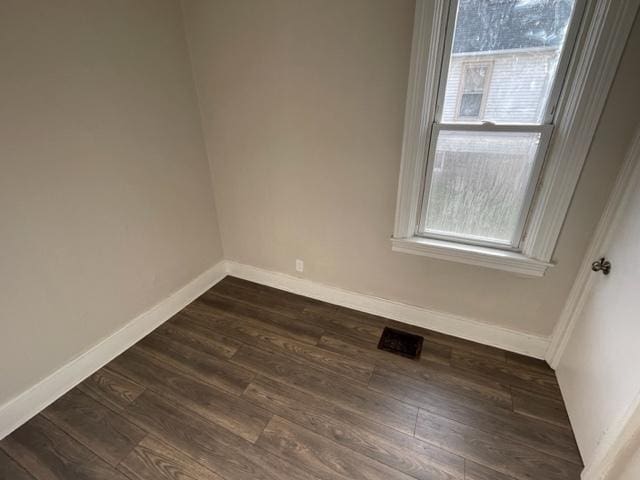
x,y
105,195
303,106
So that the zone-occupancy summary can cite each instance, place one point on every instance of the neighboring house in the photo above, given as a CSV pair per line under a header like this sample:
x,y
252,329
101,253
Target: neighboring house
x,y
504,77
499,86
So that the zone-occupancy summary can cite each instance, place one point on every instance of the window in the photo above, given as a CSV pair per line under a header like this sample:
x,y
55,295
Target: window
x,y
502,105
490,152
473,90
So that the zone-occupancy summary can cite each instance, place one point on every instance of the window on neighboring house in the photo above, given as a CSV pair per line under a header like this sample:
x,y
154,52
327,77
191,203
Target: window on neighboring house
x,y
473,90
500,76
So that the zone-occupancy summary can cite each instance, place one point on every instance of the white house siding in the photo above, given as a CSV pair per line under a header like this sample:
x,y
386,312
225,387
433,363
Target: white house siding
x,y
517,84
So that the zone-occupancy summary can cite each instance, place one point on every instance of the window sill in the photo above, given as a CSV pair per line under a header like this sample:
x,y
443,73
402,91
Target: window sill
x,y
472,255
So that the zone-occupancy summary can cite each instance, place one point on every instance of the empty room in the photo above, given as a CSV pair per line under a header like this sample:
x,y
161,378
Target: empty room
x,y
319,240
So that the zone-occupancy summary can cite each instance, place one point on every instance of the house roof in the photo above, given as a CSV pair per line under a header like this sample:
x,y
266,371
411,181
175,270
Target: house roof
x,y
513,24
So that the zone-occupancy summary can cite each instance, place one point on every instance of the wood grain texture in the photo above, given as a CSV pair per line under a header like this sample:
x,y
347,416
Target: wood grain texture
x,y
363,349
100,429
111,388
508,373
540,407
212,446
547,438
356,432
345,326
210,343
529,363
10,470
235,414
321,456
288,325
48,453
208,368
249,382
274,296
305,302
341,391
275,302
435,339
253,333
438,338
475,471
509,458
435,375
153,459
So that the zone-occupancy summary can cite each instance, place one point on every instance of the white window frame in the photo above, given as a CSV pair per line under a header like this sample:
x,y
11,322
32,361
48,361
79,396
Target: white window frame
x,y
601,39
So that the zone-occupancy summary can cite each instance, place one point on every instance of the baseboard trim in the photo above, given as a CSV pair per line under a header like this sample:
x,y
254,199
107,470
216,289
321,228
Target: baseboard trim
x,y
467,328
21,408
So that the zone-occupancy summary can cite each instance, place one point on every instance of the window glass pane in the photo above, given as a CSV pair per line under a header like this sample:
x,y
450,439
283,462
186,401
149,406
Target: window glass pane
x,y
522,41
478,184
470,104
474,78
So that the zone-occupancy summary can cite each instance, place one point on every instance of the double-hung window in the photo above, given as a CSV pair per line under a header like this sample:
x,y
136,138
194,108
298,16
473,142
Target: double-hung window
x,y
503,65
483,105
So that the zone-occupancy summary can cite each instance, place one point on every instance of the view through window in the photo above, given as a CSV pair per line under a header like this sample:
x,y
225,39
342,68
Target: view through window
x,y
501,74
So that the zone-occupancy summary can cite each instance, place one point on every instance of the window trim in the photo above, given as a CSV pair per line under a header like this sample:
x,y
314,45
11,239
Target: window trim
x,y
603,33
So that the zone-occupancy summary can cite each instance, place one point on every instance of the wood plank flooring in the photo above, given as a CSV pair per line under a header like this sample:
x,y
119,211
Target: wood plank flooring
x,y
249,382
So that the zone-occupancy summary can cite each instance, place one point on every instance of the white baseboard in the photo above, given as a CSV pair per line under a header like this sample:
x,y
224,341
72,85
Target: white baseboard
x,y
21,408
467,328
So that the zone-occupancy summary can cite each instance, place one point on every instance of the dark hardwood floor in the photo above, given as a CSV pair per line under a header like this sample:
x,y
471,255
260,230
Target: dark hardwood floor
x,y
249,382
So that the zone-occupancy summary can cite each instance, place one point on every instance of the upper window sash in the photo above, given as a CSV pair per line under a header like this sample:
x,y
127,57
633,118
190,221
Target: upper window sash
x,y
549,109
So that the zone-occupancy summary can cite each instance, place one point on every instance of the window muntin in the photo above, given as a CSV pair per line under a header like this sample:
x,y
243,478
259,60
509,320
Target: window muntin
x,y
524,42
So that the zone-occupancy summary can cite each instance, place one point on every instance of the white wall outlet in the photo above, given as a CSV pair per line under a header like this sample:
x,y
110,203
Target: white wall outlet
x,y
299,265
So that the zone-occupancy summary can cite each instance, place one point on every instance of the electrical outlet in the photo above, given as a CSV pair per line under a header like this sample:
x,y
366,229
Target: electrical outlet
x,y
299,265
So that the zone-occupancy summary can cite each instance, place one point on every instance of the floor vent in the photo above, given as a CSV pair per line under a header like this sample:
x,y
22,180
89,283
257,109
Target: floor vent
x,y
401,343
